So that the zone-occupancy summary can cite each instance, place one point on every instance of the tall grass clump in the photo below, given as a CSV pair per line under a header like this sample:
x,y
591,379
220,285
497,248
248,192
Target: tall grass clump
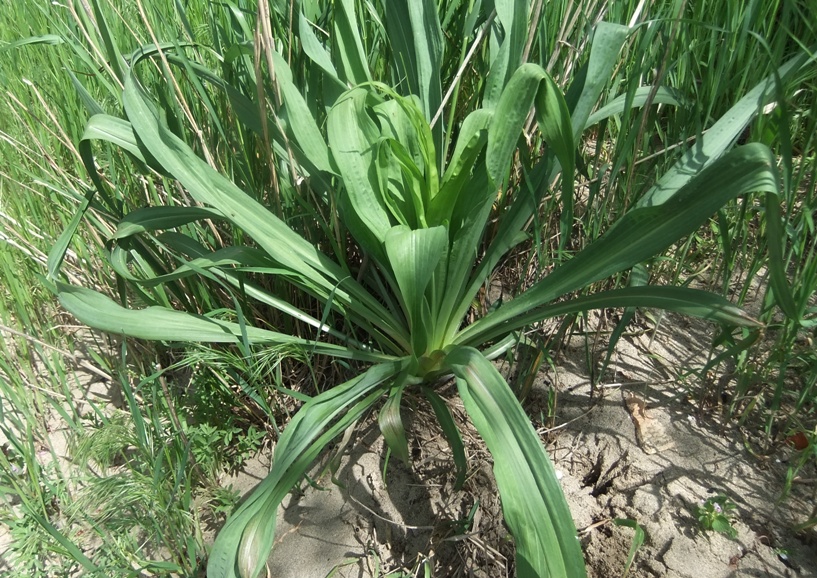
x,y
334,184
112,489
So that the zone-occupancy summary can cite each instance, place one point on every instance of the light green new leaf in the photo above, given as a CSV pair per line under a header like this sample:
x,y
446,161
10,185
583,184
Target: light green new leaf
x,y
471,141
533,504
414,255
51,39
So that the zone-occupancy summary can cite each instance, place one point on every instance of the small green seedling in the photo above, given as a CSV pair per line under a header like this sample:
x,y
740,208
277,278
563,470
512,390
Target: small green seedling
x,y
715,513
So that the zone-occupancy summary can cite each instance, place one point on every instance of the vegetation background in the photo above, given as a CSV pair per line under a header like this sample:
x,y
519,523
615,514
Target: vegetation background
x,y
114,451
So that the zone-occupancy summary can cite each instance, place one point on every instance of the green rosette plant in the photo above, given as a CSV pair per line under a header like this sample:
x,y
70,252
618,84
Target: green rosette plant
x,y
418,210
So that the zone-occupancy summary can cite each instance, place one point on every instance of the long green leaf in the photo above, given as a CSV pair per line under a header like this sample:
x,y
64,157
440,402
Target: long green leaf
x,y
299,116
250,531
507,44
693,302
249,260
153,218
529,84
663,95
720,136
162,324
352,137
417,50
451,433
584,92
349,52
273,235
391,422
646,231
533,503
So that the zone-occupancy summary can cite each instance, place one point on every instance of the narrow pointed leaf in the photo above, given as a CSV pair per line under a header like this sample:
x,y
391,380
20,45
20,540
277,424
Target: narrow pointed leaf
x,y
282,244
664,95
315,50
720,136
583,94
154,218
162,324
299,116
451,433
354,68
352,137
683,300
417,48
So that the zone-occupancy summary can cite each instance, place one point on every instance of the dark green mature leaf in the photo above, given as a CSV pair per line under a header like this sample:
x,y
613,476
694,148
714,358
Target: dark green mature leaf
x,y
533,504
154,218
720,136
352,137
663,95
299,116
529,84
315,50
693,302
451,433
644,232
246,539
354,69
285,246
391,422
508,36
584,92
249,260
114,56
162,324
417,49
57,253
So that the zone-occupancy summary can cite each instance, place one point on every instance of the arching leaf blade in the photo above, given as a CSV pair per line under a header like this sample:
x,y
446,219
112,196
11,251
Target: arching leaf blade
x,y
533,503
